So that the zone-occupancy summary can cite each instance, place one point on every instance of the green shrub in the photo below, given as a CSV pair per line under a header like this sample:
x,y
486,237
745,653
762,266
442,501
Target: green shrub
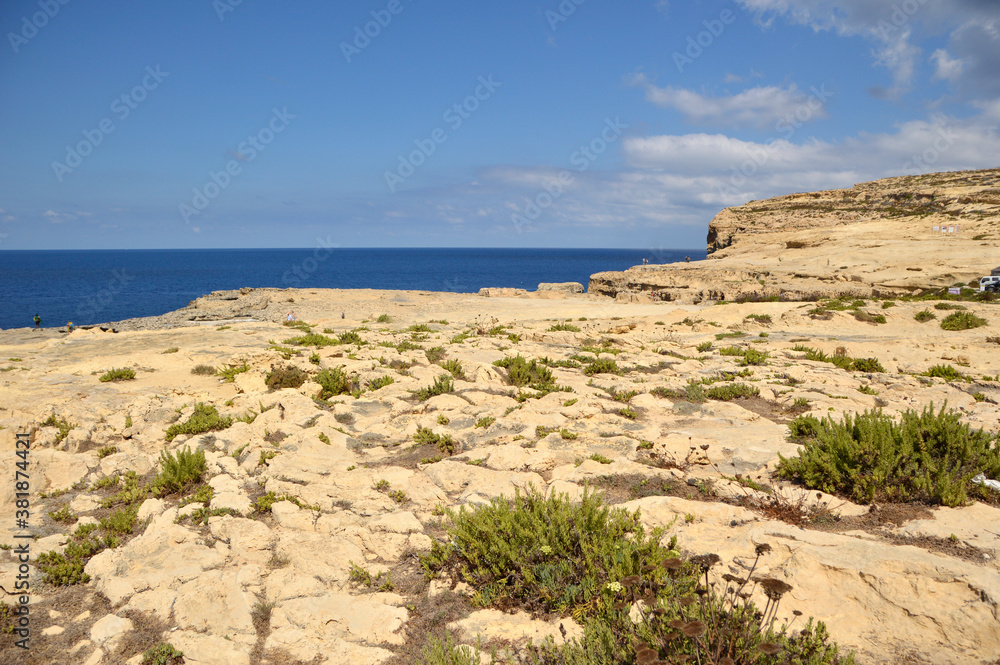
x,y
105,451
380,382
485,422
443,384
204,419
924,316
731,391
946,306
927,456
203,370
444,442
435,354
564,327
455,367
946,372
312,339
314,358
63,515
866,365
522,372
63,425
229,372
601,366
172,349
704,347
162,654
335,381
118,374
962,321
383,318
550,554
759,318
286,377
753,357
350,337
178,472
599,458
594,562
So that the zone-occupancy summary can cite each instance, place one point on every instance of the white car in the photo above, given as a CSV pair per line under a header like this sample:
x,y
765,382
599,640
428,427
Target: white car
x,y
989,283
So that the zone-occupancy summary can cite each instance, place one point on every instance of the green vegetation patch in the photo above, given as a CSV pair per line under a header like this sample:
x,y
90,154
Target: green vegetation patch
x,y
335,381
927,456
118,374
593,562
442,385
285,377
962,321
205,418
842,360
312,339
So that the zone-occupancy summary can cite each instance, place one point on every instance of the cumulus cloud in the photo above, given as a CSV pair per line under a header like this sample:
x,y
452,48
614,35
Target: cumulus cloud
x,y
893,26
761,106
945,66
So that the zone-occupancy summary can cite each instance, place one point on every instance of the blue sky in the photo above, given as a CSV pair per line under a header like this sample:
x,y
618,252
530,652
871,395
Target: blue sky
x,y
528,123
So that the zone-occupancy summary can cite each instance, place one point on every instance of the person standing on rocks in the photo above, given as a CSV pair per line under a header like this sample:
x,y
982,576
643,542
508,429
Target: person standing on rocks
x,y
38,321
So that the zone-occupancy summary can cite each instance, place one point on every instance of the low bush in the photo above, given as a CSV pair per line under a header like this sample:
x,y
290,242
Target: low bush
x,y
203,370
522,372
444,442
162,654
229,372
601,366
946,372
587,560
118,374
285,377
63,425
731,391
443,384
930,457
205,418
704,347
380,382
962,321
335,381
564,327
178,472
312,339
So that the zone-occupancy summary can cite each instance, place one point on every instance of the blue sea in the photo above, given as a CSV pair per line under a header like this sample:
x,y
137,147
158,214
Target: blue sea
x,y
97,286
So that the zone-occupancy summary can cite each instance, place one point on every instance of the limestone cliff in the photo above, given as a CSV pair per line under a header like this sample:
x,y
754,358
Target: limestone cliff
x,y
874,238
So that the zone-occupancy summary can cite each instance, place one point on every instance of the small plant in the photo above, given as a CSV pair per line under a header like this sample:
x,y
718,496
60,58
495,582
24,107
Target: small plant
x,y
485,422
203,370
570,402
314,358
335,381
443,420
601,366
285,377
444,442
63,515
925,456
800,402
564,327
229,372
962,321
177,472
383,318
266,456
867,390
442,385
324,438
435,354
380,382
758,318
731,391
162,654
704,347
118,374
312,339
599,458
946,372
628,412
172,349
63,425
106,450
454,367
204,419
568,435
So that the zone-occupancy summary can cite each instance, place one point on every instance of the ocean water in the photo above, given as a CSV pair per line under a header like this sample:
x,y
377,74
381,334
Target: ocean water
x,y
97,286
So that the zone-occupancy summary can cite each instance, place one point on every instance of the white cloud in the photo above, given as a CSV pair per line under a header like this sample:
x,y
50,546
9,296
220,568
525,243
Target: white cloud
x,y
946,67
761,106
